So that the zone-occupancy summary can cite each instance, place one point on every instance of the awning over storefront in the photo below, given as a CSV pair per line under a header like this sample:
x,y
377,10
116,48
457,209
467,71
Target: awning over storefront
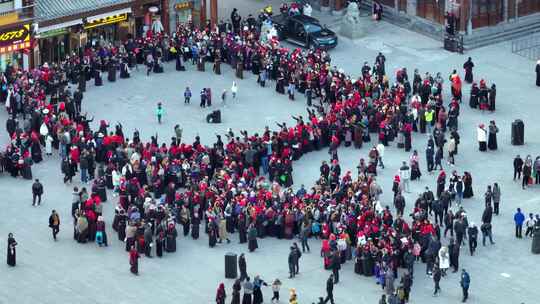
x,y
59,26
108,15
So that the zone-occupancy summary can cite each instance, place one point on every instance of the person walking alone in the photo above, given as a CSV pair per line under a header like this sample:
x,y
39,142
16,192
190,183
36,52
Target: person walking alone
x,y
519,218
465,282
234,90
11,251
329,290
224,97
276,285
436,279
37,191
134,260
242,266
54,223
187,96
472,231
159,112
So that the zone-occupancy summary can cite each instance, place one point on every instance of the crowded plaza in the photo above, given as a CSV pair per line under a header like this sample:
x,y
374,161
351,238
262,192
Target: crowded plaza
x,y
372,172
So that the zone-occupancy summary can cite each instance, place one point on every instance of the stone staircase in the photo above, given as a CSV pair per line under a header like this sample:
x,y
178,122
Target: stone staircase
x,y
480,37
503,32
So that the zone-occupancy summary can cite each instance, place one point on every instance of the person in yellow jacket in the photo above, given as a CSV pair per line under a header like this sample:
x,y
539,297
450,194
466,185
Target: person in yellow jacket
x,y
293,298
429,119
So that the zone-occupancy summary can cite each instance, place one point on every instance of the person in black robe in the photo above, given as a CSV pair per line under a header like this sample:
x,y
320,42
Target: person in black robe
x,y
368,265
492,97
26,169
122,223
473,100
538,73
111,76
240,66
468,66
195,226
98,81
11,250
255,64
124,70
158,66
252,238
467,183
280,84
358,265
200,64
82,79
217,64
171,238
236,292
492,137
36,152
242,231
160,240
212,234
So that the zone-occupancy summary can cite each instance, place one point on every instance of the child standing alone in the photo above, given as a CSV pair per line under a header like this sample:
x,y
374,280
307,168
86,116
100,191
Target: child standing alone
x,y
159,112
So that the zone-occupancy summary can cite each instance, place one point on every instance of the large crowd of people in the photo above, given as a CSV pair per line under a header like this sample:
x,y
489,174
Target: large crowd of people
x,y
243,182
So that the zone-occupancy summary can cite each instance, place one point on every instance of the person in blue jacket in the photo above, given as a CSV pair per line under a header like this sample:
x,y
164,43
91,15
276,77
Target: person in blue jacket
x,y
519,218
465,282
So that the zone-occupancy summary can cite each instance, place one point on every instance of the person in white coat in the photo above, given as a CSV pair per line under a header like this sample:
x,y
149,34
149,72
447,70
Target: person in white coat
x,y
380,151
481,135
48,145
405,175
116,181
234,90
444,259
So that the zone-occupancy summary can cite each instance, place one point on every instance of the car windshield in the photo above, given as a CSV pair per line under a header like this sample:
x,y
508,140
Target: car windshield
x,y
312,28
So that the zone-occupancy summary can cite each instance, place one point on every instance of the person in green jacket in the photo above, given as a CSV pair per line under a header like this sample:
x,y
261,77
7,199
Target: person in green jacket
x,y
159,112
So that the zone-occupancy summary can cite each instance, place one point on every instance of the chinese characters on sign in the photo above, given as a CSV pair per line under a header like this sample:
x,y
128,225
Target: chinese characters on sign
x,y
15,39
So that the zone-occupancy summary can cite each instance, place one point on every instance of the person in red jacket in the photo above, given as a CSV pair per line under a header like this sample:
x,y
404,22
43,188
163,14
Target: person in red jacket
x,y
134,260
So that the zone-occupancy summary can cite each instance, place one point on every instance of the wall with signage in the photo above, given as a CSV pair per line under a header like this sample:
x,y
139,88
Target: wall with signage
x,y
105,21
15,39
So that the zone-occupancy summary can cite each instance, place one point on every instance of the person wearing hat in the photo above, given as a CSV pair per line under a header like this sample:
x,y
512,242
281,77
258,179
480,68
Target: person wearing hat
x,y
481,135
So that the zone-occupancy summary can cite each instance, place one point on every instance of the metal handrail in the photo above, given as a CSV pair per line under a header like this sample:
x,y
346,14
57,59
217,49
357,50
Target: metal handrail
x,y
528,47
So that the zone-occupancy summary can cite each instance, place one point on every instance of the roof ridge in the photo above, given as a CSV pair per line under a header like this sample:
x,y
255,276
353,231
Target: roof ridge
x,y
51,9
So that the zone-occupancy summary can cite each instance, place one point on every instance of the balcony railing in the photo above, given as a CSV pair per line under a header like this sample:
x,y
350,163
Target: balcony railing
x,y
22,14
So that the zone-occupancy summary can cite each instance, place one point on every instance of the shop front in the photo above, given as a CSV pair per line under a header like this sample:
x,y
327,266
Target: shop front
x,y
108,28
58,41
15,47
183,11
149,17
